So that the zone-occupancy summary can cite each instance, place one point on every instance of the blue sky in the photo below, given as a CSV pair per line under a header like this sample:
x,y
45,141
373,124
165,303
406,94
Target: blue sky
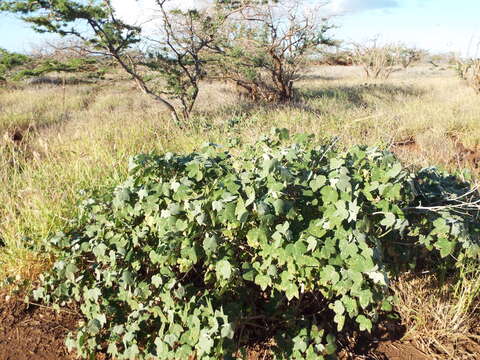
x,y
438,25
15,35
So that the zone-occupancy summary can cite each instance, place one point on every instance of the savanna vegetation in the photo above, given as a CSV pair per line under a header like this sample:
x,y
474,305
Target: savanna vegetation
x,y
221,190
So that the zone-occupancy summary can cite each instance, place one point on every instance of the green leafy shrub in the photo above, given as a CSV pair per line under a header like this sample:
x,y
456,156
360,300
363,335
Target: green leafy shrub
x,y
9,61
91,66
203,254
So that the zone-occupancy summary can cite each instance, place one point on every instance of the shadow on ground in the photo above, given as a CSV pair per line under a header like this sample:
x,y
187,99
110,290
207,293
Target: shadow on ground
x,y
358,95
316,77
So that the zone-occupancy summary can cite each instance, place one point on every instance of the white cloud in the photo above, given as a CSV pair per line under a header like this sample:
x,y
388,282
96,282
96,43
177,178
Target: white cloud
x,y
140,12
347,6
144,12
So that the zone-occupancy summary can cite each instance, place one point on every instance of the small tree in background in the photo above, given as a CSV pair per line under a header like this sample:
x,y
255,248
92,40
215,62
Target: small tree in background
x,y
337,54
64,56
9,62
91,66
16,67
177,54
378,61
469,70
267,44
462,68
475,79
410,55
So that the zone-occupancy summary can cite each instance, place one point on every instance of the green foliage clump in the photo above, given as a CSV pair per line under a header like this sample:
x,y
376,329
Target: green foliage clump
x,y
15,66
204,254
74,65
9,61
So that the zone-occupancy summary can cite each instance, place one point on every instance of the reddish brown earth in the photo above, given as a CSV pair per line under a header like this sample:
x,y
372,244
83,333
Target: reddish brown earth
x,y
463,156
385,343
400,351
30,332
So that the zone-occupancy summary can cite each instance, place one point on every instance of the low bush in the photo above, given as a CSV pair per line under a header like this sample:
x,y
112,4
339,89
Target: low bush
x,y
378,61
201,255
339,57
409,56
9,61
469,70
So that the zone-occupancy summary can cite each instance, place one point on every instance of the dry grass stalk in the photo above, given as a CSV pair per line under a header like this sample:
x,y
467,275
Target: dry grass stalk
x,y
440,321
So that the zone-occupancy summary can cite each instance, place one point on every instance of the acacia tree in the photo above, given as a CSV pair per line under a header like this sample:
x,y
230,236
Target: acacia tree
x,y
178,51
174,52
379,61
9,61
410,55
469,71
267,44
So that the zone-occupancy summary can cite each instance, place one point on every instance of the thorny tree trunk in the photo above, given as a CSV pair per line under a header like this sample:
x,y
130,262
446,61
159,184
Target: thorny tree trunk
x,y
144,88
189,104
282,83
131,70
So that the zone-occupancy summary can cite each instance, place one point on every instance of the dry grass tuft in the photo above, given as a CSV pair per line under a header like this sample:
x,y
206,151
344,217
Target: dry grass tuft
x,y
443,323
24,264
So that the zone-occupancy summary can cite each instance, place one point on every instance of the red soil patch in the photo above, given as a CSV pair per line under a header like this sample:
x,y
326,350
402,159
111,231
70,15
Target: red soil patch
x,y
400,351
29,332
466,155
406,146
384,343
463,157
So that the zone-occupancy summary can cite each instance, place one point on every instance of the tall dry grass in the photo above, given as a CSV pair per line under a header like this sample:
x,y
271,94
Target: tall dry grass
x,y
441,322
